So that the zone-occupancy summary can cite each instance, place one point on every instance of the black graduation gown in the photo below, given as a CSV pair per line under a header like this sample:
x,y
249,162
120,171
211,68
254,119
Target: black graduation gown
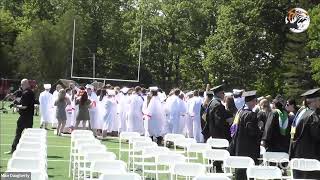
x,y
274,140
246,141
306,142
216,125
262,117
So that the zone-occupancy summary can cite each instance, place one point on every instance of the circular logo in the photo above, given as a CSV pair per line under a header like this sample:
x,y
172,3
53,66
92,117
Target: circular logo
x,y
298,20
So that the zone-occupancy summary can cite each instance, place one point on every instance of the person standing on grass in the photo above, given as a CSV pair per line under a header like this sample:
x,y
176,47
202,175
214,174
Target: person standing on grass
x,y
46,106
83,112
26,111
61,114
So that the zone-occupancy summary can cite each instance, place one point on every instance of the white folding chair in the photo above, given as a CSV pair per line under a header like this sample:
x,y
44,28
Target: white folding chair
x,y
29,139
264,172
166,161
148,157
302,164
275,157
187,170
94,156
29,154
196,148
211,177
76,141
82,150
131,141
137,148
22,164
218,143
237,162
35,130
183,143
172,137
108,167
212,155
126,176
32,146
125,136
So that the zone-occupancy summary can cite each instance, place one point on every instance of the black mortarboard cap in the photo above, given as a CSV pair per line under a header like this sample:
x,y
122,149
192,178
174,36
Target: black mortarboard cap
x,y
217,89
312,93
209,93
249,95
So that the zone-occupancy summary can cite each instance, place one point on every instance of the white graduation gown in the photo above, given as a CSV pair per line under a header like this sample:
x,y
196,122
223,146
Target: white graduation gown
x,y
135,114
176,109
156,117
46,107
123,111
194,111
100,113
189,122
92,110
110,113
70,109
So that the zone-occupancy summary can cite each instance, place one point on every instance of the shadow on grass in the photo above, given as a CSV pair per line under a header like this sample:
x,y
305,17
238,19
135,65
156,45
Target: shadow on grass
x,y
50,168
55,157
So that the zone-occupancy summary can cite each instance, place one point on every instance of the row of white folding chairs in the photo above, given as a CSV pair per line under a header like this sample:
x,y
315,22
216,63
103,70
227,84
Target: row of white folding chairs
x,y
31,154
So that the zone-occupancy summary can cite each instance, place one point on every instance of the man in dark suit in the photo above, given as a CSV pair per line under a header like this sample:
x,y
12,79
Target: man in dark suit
x,y
26,111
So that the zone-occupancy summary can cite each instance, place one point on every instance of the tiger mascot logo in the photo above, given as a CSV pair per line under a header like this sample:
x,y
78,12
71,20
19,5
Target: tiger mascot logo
x,y
297,20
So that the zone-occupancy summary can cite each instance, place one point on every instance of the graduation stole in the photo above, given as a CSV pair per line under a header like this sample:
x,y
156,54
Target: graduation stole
x,y
235,124
283,121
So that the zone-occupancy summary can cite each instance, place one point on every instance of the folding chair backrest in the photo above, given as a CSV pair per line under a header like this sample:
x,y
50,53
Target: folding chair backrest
x,y
140,145
32,139
264,172
169,159
32,146
33,154
305,164
134,139
154,151
80,142
238,162
218,143
128,135
172,137
80,131
35,130
275,157
126,176
216,154
184,142
107,167
96,156
197,147
188,169
86,148
16,164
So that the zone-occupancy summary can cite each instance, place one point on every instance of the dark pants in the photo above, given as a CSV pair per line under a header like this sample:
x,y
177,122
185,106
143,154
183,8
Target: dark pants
x,y
306,174
22,123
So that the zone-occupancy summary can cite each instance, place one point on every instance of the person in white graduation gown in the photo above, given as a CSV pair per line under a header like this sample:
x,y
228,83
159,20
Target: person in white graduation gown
x,y
175,108
70,112
123,106
156,116
194,111
110,114
189,121
55,97
46,106
135,114
92,96
101,110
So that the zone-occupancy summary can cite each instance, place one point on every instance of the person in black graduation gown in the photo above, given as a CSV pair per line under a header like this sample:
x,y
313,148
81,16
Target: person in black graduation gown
x,y
216,120
306,134
246,133
276,135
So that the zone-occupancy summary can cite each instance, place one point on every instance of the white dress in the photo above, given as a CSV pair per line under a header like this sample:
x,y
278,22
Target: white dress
x,y
123,111
46,107
110,113
135,114
55,98
70,112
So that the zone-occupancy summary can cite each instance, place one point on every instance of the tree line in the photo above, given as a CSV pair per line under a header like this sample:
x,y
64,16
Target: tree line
x,y
185,43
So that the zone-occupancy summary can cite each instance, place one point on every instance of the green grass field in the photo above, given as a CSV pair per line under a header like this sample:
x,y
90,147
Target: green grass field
x,y
58,147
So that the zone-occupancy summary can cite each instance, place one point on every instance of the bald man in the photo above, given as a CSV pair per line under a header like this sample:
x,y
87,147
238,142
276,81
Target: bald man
x,y
26,111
